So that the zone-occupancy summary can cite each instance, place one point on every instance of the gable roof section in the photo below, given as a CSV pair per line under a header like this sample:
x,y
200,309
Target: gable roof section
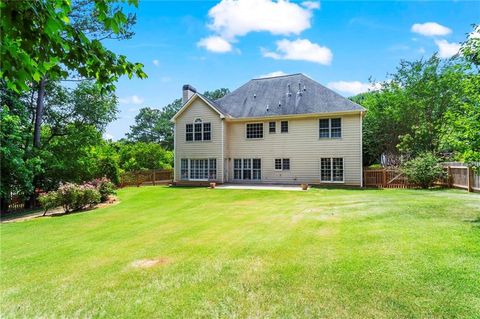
x,y
270,97
212,104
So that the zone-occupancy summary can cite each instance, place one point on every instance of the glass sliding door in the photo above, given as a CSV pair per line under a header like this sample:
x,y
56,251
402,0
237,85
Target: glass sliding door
x,y
247,169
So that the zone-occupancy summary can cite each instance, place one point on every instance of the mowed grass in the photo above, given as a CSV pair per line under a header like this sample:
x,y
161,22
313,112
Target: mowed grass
x,y
250,253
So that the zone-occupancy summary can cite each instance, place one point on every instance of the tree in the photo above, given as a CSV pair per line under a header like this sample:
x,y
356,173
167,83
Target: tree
x,y
140,155
48,40
154,125
39,41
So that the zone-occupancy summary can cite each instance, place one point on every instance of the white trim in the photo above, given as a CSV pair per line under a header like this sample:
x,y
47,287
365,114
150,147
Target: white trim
x,y
174,153
292,116
223,155
331,181
361,149
255,138
190,101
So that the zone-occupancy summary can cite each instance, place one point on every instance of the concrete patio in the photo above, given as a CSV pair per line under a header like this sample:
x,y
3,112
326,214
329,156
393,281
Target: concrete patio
x,y
261,187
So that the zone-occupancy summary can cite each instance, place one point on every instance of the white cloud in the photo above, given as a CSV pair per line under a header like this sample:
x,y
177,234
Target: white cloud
x,y
215,44
447,49
134,99
272,74
156,62
430,29
422,50
237,18
312,5
300,49
353,87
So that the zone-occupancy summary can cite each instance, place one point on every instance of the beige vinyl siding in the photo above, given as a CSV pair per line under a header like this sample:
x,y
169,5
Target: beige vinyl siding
x,y
198,149
302,146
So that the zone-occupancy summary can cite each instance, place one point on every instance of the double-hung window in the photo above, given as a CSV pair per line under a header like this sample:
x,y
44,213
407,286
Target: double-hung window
x,y
331,169
284,126
198,131
282,164
254,130
247,168
330,128
198,169
272,127
189,132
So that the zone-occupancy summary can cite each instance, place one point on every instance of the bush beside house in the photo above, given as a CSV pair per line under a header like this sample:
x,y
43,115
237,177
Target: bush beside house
x,y
424,170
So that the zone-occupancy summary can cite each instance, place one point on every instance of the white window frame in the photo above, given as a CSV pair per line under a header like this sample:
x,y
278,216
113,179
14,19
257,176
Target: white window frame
x,y
202,131
288,127
331,170
281,164
330,128
209,162
254,138
274,127
250,168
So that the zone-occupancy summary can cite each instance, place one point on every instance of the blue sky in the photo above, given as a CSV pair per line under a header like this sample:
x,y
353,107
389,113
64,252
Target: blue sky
x,y
340,44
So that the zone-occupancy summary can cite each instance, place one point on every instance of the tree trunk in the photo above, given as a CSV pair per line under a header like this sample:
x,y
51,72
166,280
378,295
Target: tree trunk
x,y
3,205
39,113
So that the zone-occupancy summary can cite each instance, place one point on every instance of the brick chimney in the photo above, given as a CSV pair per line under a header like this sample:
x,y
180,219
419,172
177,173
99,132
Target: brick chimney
x,y
188,92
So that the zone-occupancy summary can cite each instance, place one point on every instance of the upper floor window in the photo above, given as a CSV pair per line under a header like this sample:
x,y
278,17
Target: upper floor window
x,y
284,126
272,127
198,131
254,130
330,128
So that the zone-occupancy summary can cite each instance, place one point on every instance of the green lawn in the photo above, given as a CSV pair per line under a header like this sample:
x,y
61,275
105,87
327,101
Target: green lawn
x,y
247,253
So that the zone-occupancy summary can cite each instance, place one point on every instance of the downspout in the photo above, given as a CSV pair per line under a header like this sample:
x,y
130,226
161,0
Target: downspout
x,y
174,152
361,149
223,155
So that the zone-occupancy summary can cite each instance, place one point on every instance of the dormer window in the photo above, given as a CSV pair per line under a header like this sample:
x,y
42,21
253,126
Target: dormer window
x,y
198,131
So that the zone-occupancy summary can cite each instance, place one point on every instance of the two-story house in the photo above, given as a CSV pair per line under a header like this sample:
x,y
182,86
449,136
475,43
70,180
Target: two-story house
x,y
286,129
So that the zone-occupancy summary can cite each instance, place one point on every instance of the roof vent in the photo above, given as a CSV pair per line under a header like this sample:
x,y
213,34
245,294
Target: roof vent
x,y
267,107
279,104
289,93
254,96
304,88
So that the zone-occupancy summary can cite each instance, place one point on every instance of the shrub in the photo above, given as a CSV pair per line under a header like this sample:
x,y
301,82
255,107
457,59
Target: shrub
x,y
48,201
74,197
423,170
105,187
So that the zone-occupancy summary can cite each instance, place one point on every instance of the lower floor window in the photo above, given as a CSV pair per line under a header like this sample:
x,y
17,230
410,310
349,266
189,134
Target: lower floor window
x,y
247,168
282,164
198,169
331,169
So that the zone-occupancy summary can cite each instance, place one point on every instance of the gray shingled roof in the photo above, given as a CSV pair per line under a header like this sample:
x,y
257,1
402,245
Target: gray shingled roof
x,y
261,97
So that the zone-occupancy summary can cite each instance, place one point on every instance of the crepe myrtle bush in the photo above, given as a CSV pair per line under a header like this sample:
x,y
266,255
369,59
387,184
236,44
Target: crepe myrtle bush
x,y
423,170
105,187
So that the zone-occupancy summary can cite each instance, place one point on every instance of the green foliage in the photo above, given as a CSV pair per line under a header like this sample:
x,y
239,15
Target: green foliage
x,y
49,201
154,125
17,165
428,106
39,41
74,197
423,170
104,186
139,156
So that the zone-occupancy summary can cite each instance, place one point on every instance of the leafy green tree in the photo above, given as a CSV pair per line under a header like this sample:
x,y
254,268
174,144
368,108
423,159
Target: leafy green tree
x,y
154,125
140,155
423,170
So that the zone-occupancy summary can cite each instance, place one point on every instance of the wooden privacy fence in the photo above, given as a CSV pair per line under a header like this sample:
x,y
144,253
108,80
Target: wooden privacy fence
x,y
385,178
458,175
147,177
